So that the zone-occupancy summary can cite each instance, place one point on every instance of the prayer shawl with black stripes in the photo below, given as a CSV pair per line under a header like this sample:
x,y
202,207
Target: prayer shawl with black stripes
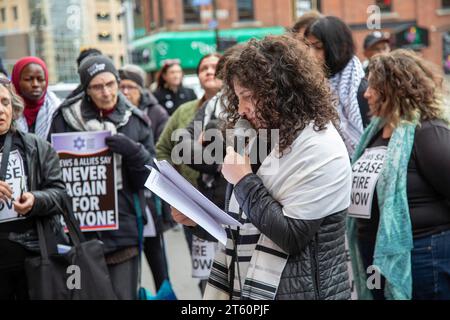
x,y
310,182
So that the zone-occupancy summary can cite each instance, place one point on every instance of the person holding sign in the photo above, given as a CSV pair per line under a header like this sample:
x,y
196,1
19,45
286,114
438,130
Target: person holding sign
x,y
30,187
104,108
293,207
132,86
400,198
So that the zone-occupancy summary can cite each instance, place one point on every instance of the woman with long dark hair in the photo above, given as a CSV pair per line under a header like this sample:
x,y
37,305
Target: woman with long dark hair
x,y
331,42
170,91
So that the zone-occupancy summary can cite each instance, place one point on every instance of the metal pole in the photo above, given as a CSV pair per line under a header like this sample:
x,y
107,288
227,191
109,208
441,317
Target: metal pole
x,y
216,29
129,28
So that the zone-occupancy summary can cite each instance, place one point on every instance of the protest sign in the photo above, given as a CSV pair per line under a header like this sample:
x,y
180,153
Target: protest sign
x,y
365,174
202,257
88,169
15,177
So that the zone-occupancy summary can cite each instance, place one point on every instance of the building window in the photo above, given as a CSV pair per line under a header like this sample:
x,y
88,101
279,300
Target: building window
x,y
445,4
446,51
245,10
15,13
3,14
191,13
385,5
104,36
119,37
103,16
302,6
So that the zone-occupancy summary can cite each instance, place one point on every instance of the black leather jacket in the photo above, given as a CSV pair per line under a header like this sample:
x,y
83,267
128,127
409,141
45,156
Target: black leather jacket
x,y
46,183
316,268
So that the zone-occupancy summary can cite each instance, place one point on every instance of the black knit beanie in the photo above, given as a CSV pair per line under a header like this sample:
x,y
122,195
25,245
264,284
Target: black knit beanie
x,y
126,74
92,66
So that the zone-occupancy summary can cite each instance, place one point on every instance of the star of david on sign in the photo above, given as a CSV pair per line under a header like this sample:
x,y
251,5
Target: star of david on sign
x,y
78,143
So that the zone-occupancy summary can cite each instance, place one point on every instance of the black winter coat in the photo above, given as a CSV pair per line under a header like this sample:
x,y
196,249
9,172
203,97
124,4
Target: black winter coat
x,y
157,114
46,183
134,172
316,268
172,100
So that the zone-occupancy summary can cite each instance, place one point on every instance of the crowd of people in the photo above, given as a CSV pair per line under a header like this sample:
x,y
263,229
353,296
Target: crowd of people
x,y
342,124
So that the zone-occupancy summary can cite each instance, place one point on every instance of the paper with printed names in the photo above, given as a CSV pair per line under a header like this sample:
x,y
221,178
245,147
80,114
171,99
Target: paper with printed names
x,y
170,186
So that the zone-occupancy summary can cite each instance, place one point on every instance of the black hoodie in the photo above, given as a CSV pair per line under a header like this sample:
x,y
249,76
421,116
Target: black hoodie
x,y
157,114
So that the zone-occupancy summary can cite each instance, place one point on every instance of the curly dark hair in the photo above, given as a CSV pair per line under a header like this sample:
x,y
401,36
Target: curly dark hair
x,y
410,87
288,87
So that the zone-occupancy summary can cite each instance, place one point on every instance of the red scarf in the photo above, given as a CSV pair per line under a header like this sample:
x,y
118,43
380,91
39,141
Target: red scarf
x,y
31,107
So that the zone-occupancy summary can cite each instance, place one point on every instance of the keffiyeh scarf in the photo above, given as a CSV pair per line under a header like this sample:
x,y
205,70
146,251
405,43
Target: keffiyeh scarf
x,y
345,86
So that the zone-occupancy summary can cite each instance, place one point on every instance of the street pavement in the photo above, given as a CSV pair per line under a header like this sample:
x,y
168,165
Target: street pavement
x,y
179,260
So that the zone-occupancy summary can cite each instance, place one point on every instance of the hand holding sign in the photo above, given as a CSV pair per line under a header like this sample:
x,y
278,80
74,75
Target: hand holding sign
x,y
123,145
24,204
5,191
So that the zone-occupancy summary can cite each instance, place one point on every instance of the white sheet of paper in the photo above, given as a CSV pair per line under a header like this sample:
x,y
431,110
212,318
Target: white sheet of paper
x,y
172,194
218,214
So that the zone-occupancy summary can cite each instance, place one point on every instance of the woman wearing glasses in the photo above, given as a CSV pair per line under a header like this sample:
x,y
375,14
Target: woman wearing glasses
x,y
103,107
132,85
29,191
30,79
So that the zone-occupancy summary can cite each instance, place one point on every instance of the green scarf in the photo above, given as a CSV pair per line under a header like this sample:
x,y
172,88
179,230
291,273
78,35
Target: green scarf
x,y
394,241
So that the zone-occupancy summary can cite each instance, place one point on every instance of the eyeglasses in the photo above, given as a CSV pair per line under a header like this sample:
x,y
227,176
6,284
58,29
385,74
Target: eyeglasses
x,y
100,87
126,87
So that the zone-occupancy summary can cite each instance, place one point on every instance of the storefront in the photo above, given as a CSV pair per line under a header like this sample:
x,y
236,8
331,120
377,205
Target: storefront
x,y
411,37
189,46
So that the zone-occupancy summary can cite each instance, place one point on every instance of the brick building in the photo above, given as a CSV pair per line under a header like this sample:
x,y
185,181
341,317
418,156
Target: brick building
x,y
423,25
407,15
188,29
182,15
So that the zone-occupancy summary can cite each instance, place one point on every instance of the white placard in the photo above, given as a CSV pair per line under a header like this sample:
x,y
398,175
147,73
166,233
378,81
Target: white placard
x,y
15,177
365,174
202,257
